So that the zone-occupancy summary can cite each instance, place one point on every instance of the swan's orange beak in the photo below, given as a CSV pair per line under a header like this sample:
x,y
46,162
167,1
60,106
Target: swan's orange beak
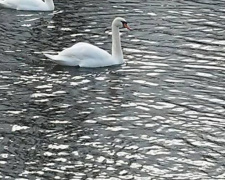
x,y
126,26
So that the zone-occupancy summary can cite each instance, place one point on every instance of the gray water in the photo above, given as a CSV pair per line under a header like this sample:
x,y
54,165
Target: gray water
x,y
159,116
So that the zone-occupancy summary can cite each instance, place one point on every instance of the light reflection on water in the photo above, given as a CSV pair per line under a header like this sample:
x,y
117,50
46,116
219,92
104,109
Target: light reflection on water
x,y
160,115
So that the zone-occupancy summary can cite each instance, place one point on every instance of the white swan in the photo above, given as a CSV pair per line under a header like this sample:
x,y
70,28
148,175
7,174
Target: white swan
x,y
28,5
86,55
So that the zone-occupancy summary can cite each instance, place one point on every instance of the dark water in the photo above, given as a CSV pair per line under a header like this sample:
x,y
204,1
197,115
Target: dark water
x,y
159,116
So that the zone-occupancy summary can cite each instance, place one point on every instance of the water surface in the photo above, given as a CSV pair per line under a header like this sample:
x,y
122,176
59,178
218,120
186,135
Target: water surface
x,y
159,116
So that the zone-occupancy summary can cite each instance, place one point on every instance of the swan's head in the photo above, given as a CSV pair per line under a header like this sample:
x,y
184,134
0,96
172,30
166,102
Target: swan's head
x,y
120,23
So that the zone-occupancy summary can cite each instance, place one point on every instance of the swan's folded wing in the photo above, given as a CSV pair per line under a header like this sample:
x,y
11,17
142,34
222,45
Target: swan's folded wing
x,y
63,60
88,55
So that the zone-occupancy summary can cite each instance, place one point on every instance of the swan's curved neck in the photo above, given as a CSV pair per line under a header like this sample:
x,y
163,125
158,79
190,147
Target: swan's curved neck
x,y
50,4
117,52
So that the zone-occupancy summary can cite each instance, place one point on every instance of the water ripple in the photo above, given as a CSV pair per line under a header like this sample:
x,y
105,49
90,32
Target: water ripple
x,y
159,116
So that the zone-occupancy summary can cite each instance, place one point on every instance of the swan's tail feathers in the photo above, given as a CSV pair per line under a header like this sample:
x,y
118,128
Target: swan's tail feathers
x,y
50,56
6,4
2,4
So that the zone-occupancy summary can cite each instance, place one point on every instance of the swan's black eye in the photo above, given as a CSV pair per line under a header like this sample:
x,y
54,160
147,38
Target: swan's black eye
x,y
124,22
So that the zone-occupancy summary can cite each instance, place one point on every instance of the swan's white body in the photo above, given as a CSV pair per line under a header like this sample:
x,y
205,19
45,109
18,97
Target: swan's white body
x,y
87,55
84,55
28,5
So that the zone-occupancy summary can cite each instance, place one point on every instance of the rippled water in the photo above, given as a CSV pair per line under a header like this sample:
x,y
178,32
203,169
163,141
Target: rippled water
x,y
159,116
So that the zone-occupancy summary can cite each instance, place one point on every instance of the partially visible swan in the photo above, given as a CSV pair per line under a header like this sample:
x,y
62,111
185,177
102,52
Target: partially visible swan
x,y
28,5
86,55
